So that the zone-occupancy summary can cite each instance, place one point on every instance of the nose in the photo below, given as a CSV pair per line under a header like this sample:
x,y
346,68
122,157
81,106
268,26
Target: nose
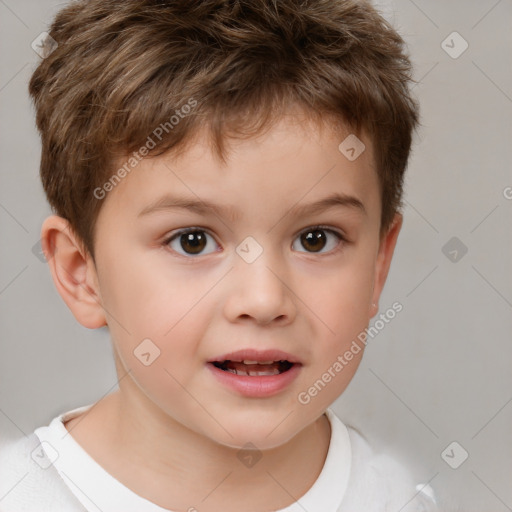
x,y
260,290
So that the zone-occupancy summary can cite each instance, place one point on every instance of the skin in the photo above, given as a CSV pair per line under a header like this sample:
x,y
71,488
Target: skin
x,y
183,427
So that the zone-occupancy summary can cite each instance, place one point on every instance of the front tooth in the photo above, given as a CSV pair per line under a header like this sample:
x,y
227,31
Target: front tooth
x,y
255,373
246,361
267,373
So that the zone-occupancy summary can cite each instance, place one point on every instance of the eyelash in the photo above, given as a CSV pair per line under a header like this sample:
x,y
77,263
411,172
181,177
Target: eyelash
x,y
341,237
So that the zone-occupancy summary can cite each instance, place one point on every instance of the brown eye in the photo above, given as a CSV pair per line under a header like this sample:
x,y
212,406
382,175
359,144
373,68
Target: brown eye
x,y
316,239
313,240
191,242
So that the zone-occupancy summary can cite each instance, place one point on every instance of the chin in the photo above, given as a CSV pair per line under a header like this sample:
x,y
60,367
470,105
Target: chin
x,y
261,436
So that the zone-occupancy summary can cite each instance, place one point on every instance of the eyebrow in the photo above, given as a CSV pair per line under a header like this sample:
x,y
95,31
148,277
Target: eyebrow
x,y
203,207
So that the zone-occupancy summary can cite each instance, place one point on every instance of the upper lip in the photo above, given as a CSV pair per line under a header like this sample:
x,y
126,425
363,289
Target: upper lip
x,y
250,354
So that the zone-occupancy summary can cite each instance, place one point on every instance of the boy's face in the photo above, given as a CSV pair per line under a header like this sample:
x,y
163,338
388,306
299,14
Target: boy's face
x,y
262,279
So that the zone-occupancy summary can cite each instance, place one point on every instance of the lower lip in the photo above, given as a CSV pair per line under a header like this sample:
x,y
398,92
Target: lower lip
x,y
257,386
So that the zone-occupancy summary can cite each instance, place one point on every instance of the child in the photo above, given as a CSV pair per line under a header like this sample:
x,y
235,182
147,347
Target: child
x,y
271,136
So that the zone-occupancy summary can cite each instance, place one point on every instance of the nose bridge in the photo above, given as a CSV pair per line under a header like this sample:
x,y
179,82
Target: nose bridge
x,y
260,288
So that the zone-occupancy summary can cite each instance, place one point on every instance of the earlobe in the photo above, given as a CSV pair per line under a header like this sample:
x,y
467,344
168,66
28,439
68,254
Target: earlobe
x,y
383,261
73,272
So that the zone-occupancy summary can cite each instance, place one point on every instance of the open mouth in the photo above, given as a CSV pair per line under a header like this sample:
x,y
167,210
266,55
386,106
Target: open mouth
x,y
253,368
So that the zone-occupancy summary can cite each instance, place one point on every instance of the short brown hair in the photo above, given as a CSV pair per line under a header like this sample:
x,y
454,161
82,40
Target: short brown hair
x,y
124,67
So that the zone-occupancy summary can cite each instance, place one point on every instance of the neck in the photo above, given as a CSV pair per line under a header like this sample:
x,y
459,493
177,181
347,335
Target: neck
x,y
178,468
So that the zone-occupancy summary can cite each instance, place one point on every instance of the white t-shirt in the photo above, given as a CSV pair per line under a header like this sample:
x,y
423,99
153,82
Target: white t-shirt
x,y
49,471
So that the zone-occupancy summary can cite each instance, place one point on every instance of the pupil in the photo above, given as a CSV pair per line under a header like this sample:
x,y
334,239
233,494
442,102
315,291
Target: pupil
x,y
315,238
195,240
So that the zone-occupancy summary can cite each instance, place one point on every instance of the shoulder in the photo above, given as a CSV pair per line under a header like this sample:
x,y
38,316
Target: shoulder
x,y
380,482
28,480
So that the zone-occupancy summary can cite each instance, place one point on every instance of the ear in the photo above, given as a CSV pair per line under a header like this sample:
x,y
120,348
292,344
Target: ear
x,y
383,261
73,272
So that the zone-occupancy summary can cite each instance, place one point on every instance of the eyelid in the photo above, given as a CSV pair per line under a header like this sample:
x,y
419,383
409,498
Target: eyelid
x,y
184,231
325,227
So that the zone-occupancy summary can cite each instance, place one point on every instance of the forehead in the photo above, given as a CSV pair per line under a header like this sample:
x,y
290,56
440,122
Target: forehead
x,y
295,161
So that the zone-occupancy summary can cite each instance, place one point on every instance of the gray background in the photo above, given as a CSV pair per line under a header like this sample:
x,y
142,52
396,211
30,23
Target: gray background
x,y
439,372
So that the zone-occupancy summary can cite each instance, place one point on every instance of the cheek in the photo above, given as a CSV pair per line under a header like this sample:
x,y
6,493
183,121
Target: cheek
x,y
343,301
343,305
144,301
145,298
